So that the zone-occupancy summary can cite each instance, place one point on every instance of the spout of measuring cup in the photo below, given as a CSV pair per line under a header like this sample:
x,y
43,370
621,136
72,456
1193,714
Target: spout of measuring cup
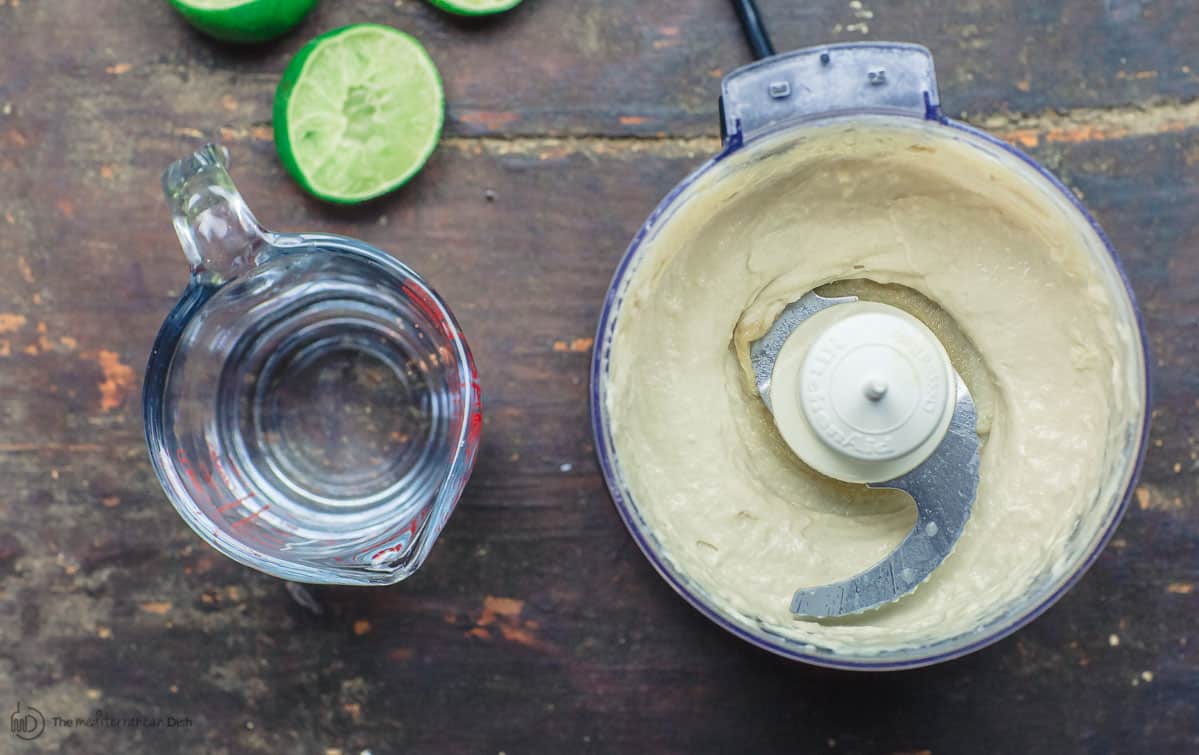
x,y
219,234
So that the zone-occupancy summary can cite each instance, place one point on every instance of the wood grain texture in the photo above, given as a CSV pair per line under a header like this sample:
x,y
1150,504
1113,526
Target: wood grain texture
x,y
598,66
536,625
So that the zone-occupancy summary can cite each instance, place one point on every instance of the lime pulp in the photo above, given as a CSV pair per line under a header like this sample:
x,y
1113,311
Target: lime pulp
x,y
358,112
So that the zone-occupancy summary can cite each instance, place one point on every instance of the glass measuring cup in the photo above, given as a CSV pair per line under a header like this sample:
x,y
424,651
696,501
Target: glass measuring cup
x,y
311,405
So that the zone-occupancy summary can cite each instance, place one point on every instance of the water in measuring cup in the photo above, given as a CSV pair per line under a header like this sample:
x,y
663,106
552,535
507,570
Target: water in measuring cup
x,y
331,398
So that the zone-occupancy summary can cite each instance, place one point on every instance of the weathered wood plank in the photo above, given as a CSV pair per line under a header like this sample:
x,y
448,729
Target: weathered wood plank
x,y
582,67
104,589
536,625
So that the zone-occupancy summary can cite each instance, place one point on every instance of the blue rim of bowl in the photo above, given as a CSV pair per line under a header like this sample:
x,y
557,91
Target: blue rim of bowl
x,y
158,368
627,510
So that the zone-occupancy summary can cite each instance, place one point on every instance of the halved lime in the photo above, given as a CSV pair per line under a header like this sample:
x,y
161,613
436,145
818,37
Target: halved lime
x,y
475,7
358,112
244,20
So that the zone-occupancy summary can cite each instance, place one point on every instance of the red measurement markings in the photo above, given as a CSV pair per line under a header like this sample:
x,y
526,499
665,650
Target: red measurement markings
x,y
198,486
206,485
408,534
220,468
238,502
387,540
204,481
476,417
250,517
393,549
428,307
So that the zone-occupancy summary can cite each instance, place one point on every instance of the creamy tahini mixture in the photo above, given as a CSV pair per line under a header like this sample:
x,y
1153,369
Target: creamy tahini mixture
x,y
1006,274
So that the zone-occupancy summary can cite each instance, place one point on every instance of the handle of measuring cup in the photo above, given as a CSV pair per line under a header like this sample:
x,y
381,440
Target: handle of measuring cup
x,y
220,236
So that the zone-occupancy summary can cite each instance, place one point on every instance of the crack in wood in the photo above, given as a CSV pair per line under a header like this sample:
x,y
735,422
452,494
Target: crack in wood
x,y
1078,125
1074,126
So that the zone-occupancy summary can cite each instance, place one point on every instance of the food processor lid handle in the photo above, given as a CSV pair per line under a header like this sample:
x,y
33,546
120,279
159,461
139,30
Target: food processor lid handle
x,y
890,77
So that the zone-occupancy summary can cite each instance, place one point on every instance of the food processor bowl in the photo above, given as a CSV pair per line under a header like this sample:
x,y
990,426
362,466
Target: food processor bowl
x,y
767,108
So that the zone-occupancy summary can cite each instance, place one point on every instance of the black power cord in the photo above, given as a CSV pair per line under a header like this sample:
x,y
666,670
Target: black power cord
x,y
755,31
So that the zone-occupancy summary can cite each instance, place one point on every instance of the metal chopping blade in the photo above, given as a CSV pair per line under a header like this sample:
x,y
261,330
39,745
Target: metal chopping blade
x,y
943,486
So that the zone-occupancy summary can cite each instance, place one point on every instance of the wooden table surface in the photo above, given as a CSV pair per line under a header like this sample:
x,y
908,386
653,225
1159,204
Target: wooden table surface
x,y
536,626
